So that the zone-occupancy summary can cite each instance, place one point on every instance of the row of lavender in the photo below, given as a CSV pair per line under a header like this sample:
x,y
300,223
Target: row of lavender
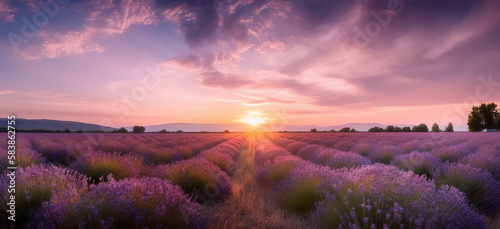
x,y
376,195
117,190
158,149
421,153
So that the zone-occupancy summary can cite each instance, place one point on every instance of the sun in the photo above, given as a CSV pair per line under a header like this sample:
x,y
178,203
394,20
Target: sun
x,y
253,118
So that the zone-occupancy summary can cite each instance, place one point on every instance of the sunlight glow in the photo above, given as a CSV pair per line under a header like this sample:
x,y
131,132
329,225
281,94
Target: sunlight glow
x,y
253,118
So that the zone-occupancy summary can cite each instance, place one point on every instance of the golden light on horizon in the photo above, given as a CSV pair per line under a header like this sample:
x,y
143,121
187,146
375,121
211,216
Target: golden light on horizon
x,y
253,118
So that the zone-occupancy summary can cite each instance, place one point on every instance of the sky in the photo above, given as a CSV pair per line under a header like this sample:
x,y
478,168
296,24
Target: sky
x,y
300,62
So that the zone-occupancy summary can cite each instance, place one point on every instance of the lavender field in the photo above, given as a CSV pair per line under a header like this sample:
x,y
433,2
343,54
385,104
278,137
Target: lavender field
x,y
255,180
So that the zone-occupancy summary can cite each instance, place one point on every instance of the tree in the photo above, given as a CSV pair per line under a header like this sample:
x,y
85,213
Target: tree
x,y
345,129
179,131
420,128
163,131
390,128
435,128
138,129
121,130
353,130
314,130
333,130
226,131
376,129
485,116
449,128
406,129
67,130
398,129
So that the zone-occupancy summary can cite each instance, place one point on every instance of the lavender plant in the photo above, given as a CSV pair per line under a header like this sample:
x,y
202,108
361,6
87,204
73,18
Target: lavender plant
x,y
380,196
35,185
197,176
346,160
479,187
98,165
130,203
419,163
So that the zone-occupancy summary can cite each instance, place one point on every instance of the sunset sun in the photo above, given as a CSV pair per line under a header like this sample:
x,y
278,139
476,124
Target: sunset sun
x,y
253,118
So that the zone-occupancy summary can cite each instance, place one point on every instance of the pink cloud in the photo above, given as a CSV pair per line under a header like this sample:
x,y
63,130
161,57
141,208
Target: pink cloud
x,y
3,92
224,81
98,22
7,12
71,43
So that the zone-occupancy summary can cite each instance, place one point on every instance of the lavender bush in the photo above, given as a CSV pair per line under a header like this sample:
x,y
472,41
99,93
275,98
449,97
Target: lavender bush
x,y
380,196
419,163
385,154
298,191
35,185
197,176
99,164
161,156
130,203
484,161
24,158
272,172
479,187
220,159
346,160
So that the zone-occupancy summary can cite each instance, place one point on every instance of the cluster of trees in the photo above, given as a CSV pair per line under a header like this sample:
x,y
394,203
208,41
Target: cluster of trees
x,y
485,116
419,128
390,129
345,129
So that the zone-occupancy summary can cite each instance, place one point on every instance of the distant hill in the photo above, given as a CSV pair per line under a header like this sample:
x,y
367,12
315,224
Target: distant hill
x,y
54,125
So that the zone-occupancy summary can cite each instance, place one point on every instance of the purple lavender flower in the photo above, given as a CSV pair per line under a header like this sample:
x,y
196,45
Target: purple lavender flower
x,y
484,161
197,176
35,185
130,203
99,164
397,199
419,163
346,160
479,187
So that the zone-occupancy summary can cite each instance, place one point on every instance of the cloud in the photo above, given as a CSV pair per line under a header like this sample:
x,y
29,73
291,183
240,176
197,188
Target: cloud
x,y
101,18
7,12
261,101
198,21
70,43
197,63
224,81
3,92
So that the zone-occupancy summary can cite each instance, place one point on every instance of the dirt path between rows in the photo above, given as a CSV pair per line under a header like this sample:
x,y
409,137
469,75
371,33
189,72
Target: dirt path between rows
x,y
250,205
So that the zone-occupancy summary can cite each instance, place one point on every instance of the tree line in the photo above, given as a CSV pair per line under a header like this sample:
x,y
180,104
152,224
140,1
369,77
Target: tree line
x,y
419,128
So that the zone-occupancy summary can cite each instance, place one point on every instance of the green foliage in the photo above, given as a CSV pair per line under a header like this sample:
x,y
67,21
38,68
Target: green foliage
x,y
314,130
138,129
303,196
435,128
390,128
406,129
345,129
485,116
376,129
420,128
449,128
121,130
